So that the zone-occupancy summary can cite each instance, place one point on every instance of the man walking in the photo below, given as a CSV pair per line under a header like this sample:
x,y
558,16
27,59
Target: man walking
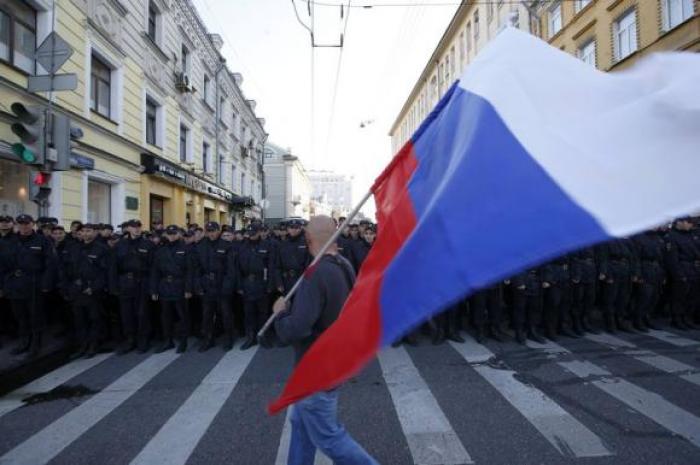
x,y
316,306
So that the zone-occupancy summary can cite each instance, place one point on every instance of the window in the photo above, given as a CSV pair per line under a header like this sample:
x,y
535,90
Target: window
x,y
469,36
587,53
233,178
448,74
220,173
220,110
433,91
206,162
18,35
489,11
242,183
441,78
152,21
676,12
185,61
100,87
207,90
476,26
580,5
184,138
452,64
99,202
461,50
151,121
625,35
554,20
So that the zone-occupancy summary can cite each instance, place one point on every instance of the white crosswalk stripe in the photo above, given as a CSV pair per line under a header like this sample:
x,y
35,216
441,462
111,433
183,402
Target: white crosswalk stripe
x,y
285,440
660,362
672,338
50,441
561,429
46,383
649,404
430,437
176,440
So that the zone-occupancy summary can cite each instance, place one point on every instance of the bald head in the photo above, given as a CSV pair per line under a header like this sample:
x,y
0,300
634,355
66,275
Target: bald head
x,y
319,231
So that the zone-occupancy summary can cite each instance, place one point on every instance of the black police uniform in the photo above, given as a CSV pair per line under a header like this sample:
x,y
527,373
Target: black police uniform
x,y
486,306
171,277
292,259
683,264
345,246
5,306
210,260
651,252
85,281
129,280
254,267
584,278
617,262
359,249
557,317
527,305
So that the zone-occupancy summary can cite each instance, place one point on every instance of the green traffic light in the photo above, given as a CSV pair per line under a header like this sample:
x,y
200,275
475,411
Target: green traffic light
x,y
24,153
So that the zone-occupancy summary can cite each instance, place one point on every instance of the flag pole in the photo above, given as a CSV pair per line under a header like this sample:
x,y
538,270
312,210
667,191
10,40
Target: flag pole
x,y
318,257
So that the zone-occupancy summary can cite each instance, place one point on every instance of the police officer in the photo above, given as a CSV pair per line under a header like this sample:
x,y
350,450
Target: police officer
x,y
129,274
345,242
85,281
6,237
486,306
651,251
584,277
527,305
555,282
361,247
618,267
30,272
254,268
683,261
210,260
171,284
292,257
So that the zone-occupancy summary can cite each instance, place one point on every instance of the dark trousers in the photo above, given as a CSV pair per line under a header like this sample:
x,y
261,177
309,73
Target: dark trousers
x,y
617,297
647,298
680,295
255,312
527,310
136,319
583,295
448,321
170,308
29,316
212,309
87,317
486,308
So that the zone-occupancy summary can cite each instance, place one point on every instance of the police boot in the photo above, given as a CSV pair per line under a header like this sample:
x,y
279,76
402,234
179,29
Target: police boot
x,y
228,341
564,331
532,334
610,325
206,344
438,336
624,326
577,326
166,345
128,346
587,327
649,323
520,335
22,347
182,346
454,336
250,340
92,350
639,325
480,334
35,346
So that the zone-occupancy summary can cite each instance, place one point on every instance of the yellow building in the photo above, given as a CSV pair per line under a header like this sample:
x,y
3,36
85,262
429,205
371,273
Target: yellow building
x,y
168,134
613,34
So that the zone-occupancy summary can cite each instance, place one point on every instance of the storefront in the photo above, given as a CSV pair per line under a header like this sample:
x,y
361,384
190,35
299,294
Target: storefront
x,y
175,196
14,189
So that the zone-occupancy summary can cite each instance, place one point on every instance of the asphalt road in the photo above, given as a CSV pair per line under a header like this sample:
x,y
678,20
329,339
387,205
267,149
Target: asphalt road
x,y
627,399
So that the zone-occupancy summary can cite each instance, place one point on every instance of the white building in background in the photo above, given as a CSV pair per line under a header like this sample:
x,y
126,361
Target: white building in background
x,y
332,189
287,185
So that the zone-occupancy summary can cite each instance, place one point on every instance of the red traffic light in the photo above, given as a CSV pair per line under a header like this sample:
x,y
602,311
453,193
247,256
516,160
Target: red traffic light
x,y
41,179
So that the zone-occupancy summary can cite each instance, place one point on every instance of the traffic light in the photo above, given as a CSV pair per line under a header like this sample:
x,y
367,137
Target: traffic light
x,y
62,137
30,128
39,189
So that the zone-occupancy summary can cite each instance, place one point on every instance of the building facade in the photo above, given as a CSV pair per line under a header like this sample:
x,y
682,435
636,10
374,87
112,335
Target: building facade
x,y
331,191
473,25
168,133
287,185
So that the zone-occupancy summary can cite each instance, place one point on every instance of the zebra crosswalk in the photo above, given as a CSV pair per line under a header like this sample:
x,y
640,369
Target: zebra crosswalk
x,y
601,399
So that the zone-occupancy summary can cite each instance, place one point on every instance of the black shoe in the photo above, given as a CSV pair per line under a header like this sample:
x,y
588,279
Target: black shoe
x,y
143,347
455,337
532,334
228,343
167,345
639,325
520,336
82,350
92,350
250,342
182,346
587,327
610,325
206,344
568,333
22,347
480,335
127,347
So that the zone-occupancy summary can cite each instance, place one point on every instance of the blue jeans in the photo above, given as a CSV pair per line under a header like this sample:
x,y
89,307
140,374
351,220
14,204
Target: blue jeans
x,y
315,426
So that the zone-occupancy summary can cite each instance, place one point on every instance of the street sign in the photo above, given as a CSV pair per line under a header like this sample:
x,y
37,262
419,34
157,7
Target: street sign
x,y
46,84
53,53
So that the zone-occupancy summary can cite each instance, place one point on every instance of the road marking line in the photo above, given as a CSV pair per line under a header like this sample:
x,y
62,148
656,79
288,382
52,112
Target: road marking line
x,y
50,441
660,362
430,437
672,338
286,439
649,404
569,436
46,383
177,438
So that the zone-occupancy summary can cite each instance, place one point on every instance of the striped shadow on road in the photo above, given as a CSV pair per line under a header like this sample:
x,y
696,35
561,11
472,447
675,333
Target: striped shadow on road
x,y
671,338
62,375
660,362
50,441
286,439
649,404
178,437
562,430
429,435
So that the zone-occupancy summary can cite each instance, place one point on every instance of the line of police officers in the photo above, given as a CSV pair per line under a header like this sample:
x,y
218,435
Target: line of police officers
x,y
232,277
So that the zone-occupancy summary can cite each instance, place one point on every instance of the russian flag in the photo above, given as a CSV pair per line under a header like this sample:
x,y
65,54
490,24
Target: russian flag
x,y
532,154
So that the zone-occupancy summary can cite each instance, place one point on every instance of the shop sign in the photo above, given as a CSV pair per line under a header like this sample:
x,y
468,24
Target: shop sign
x,y
81,162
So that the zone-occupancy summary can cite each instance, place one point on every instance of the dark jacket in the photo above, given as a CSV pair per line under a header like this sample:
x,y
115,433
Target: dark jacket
x,y
171,272
30,266
87,269
360,249
210,259
254,268
129,273
683,255
556,272
584,268
317,303
292,259
651,252
530,279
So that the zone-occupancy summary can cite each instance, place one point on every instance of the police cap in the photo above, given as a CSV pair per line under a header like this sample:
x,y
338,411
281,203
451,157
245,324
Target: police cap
x,y
6,219
24,219
295,223
172,229
212,226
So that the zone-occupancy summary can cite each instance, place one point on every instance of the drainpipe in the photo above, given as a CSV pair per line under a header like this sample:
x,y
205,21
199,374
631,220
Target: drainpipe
x,y
222,65
262,178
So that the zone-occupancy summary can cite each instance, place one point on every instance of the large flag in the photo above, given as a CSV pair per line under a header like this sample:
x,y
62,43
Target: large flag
x,y
532,154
